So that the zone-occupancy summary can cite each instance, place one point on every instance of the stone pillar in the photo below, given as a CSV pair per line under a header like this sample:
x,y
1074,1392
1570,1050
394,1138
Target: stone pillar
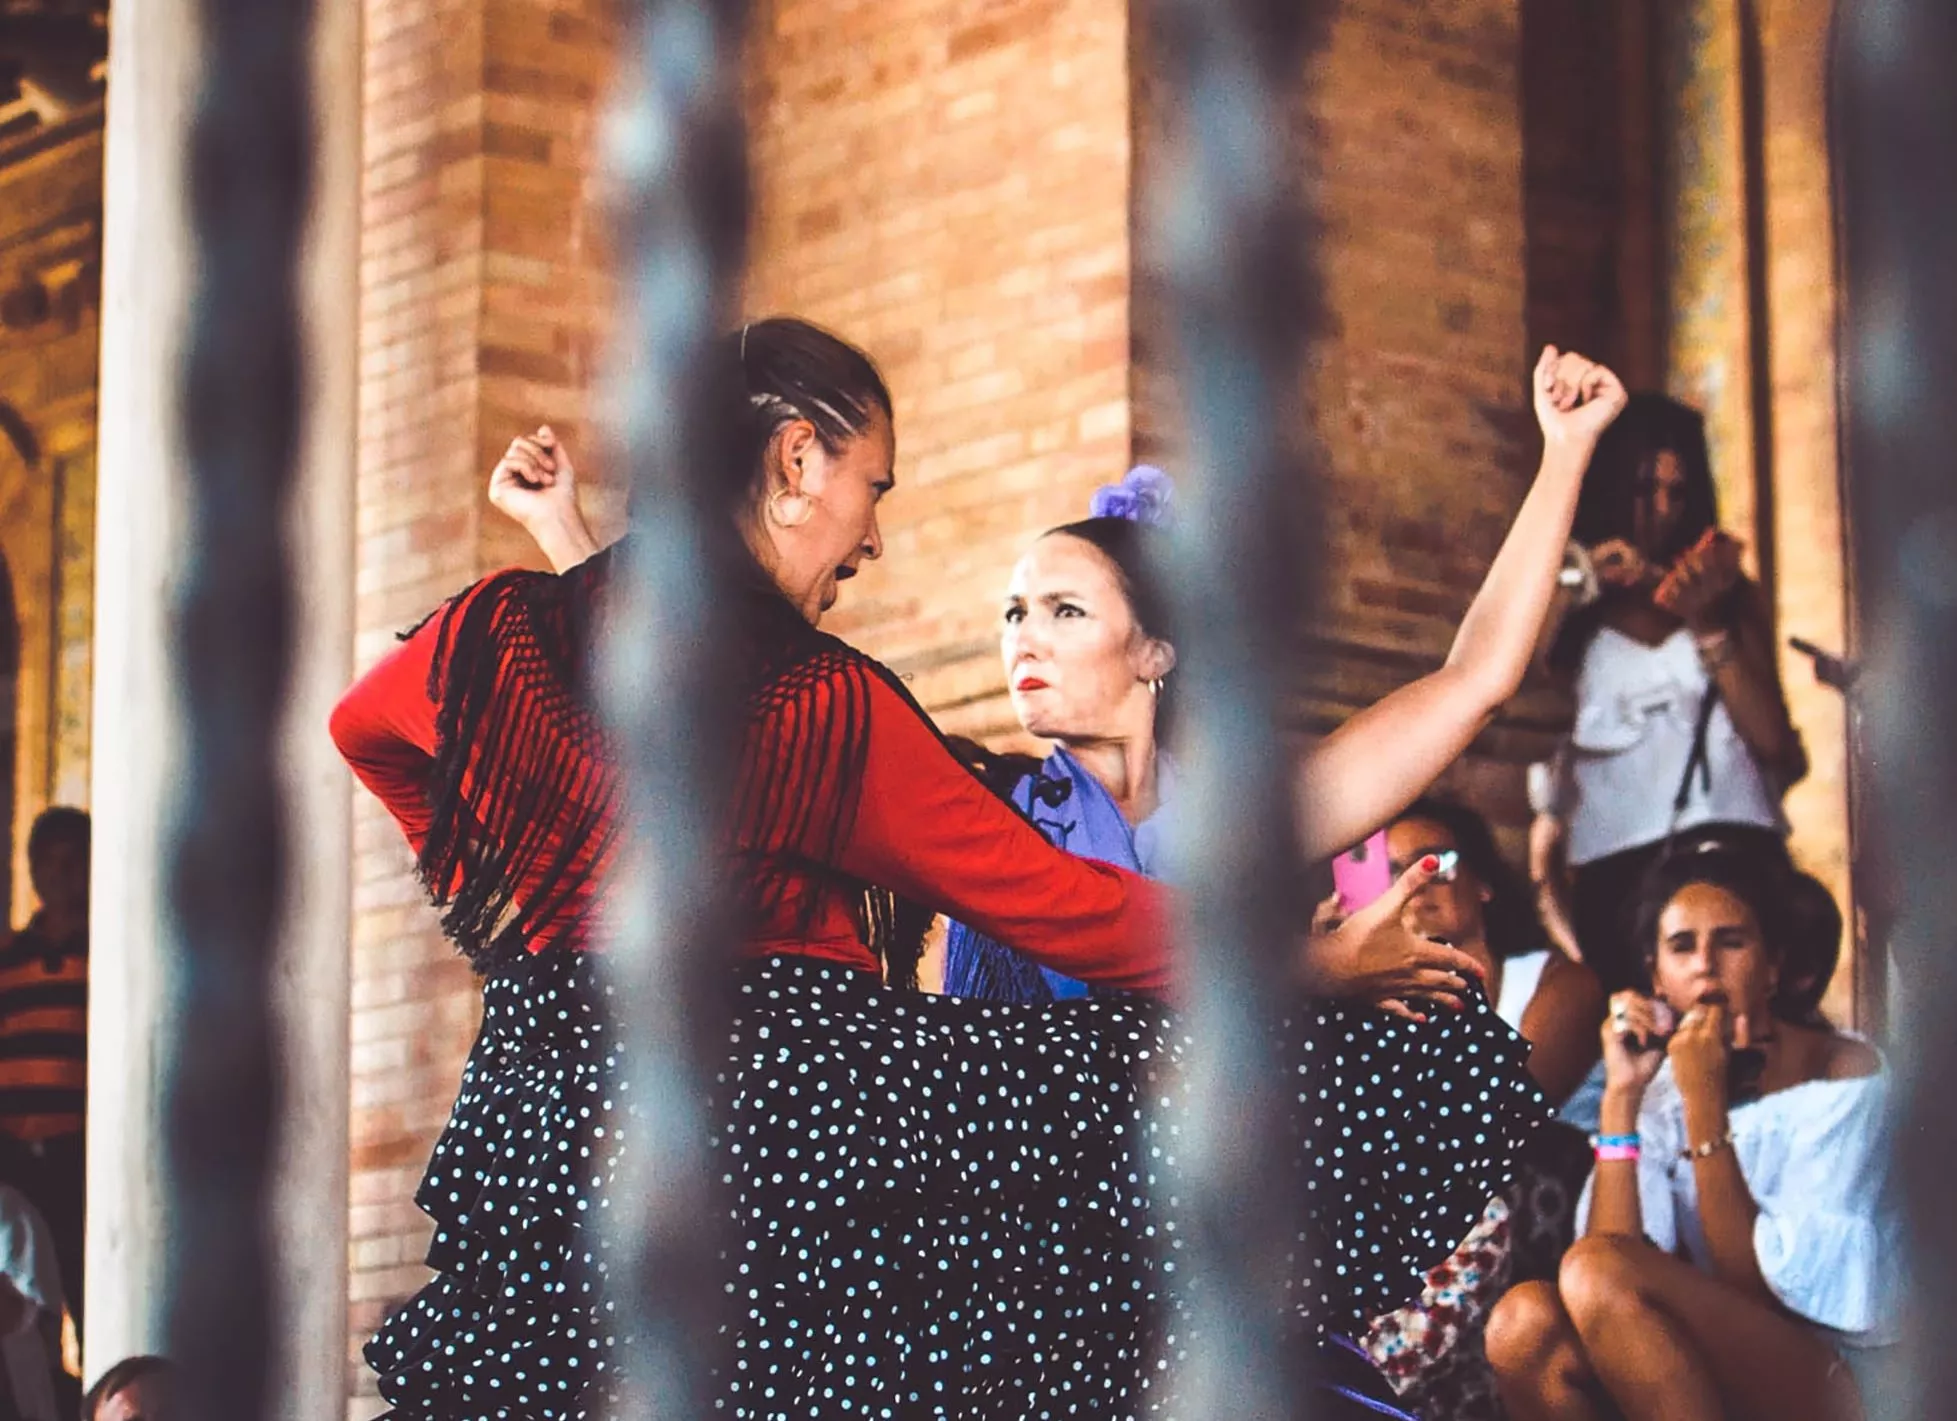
x,y
146,265
145,276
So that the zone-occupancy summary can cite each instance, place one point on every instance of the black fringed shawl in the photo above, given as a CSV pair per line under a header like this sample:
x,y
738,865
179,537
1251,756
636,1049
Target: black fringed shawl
x,y
525,797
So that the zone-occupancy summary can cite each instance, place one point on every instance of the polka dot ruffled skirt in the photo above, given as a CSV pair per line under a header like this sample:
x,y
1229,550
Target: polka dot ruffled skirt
x,y
935,1207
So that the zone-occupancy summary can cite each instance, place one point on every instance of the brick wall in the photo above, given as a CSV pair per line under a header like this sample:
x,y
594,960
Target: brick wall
x,y
955,187
1407,123
1589,176
50,278
947,184
1408,142
417,525
480,298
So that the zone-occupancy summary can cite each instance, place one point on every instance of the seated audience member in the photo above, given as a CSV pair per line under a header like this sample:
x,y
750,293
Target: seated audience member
x,y
1746,1139
44,1039
134,1389
1483,909
30,1314
1431,1350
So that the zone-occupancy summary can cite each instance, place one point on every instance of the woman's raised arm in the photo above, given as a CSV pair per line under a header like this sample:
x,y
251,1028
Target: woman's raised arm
x,y
1379,761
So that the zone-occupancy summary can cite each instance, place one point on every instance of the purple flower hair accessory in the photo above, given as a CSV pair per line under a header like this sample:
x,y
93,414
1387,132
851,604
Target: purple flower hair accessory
x,y
1143,496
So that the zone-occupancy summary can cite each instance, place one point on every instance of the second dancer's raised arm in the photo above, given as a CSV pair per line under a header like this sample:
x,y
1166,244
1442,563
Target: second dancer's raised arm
x,y
1380,760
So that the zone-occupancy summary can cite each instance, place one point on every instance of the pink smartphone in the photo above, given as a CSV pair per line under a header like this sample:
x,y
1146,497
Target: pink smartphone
x,y
1362,873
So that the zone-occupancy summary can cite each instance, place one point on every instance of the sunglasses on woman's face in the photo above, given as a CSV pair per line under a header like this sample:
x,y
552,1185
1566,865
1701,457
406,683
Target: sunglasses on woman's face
x,y
1450,863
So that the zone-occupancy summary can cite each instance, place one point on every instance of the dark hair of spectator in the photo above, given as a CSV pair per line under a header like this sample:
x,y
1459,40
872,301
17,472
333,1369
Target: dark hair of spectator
x,y
1767,886
1509,922
59,825
1813,949
1133,549
1621,469
1617,481
120,1378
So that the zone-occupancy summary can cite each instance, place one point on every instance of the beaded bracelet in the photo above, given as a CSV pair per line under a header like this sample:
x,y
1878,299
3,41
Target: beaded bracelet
x,y
1708,1149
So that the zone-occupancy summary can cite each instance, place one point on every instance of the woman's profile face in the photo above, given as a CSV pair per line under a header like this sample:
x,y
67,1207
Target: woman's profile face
x,y
1077,663
812,558
1710,949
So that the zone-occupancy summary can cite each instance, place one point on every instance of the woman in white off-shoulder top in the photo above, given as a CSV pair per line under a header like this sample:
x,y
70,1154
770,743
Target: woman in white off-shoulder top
x,y
1743,1251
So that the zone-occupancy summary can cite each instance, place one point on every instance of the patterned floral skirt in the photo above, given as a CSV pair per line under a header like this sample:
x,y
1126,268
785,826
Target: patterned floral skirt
x,y
935,1207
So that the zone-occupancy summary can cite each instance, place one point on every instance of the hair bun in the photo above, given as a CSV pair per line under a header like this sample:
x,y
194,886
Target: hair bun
x,y
1143,496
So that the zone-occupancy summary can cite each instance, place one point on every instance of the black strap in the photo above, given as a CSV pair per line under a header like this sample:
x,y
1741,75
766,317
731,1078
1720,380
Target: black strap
x,y
1697,760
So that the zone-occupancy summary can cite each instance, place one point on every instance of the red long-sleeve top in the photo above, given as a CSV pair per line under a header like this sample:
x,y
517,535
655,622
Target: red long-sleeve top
x,y
923,827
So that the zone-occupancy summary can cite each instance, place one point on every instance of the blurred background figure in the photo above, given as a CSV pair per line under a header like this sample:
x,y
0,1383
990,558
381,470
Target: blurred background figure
x,y
1681,721
33,1386
44,1040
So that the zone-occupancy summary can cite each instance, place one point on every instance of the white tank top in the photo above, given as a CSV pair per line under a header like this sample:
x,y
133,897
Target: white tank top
x,y
1521,975
1636,706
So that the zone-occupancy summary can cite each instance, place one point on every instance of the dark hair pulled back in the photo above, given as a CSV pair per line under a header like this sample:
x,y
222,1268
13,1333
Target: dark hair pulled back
x,y
1762,881
789,369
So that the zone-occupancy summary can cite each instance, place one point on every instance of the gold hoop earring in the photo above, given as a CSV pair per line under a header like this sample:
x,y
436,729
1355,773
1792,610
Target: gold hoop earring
x,y
790,510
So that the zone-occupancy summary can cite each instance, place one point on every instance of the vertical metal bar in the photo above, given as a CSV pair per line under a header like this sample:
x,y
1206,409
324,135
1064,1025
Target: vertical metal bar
x,y
250,176
1228,244
1896,111
676,150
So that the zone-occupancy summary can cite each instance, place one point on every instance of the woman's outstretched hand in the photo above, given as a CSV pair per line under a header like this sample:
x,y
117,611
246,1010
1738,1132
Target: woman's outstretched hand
x,y
536,484
1371,957
1576,399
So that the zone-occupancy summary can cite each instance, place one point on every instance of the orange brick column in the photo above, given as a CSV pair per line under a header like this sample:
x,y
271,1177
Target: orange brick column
x,y
951,191
1810,593
480,299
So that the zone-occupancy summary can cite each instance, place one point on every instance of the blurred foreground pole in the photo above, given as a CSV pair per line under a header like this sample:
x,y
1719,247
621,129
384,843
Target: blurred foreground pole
x,y
1896,135
229,862
677,163
1226,242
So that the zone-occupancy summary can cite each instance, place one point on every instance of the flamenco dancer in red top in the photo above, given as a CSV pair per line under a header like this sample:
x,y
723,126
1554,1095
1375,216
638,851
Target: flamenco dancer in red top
x,y
943,1206
913,1137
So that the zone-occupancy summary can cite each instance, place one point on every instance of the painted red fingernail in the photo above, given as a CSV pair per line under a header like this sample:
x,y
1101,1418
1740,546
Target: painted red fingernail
x,y
1430,864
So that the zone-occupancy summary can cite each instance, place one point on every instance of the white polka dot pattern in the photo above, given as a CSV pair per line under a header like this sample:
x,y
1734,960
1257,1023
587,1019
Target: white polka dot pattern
x,y
937,1207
